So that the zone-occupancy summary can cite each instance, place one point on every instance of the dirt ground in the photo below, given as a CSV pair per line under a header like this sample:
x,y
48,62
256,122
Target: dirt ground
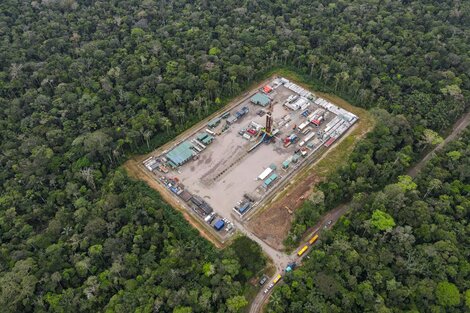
x,y
224,171
273,224
458,127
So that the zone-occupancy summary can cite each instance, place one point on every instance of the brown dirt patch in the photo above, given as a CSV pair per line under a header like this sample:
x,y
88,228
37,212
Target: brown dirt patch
x,y
273,224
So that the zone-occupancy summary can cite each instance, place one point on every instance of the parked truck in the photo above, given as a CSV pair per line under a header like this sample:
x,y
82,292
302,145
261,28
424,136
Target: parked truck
x,y
313,239
292,138
302,251
291,266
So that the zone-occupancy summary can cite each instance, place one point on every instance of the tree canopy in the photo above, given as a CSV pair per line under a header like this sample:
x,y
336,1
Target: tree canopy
x,y
85,84
417,262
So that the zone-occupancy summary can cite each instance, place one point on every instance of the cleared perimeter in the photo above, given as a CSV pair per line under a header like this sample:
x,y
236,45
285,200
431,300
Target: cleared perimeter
x,y
229,167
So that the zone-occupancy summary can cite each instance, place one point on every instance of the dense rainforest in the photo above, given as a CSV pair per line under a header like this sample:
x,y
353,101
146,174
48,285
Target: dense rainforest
x,y
405,248
84,84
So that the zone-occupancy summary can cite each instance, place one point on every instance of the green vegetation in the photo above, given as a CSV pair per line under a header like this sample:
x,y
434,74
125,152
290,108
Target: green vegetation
x,y
384,153
447,294
125,251
405,76
382,220
404,249
85,84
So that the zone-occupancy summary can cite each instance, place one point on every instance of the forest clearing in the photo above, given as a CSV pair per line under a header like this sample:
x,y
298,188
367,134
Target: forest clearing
x,y
236,152
205,156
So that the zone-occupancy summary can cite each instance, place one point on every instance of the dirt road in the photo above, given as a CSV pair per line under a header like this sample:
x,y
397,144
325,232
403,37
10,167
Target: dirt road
x,y
458,127
282,260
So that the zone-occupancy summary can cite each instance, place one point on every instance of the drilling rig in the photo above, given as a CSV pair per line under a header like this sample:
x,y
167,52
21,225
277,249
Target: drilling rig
x,y
268,130
266,133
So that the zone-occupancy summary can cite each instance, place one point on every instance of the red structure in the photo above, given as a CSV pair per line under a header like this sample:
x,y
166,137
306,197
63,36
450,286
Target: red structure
x,y
330,142
267,89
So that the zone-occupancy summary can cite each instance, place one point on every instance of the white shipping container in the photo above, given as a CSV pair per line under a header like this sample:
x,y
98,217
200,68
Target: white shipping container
x,y
309,136
200,144
303,125
265,173
331,123
305,105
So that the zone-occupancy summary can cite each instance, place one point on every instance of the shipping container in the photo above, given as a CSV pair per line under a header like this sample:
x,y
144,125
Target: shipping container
x,y
303,125
306,139
318,120
200,144
273,177
244,207
208,217
210,132
306,131
265,173
198,149
231,120
330,142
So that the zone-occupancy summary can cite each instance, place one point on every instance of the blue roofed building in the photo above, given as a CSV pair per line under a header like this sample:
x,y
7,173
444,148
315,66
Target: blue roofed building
x,y
261,99
181,154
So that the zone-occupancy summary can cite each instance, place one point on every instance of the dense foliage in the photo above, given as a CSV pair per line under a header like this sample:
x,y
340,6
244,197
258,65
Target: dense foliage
x,y
397,48
376,160
403,249
82,83
125,251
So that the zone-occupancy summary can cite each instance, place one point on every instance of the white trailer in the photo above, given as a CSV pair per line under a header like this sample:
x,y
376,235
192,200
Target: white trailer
x,y
302,126
265,173
307,139
210,132
200,144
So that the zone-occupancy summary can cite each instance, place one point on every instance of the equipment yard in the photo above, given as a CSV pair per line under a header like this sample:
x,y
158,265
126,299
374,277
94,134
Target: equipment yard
x,y
228,168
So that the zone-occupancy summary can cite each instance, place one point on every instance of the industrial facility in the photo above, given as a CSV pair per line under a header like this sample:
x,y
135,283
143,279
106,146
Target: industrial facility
x,y
227,168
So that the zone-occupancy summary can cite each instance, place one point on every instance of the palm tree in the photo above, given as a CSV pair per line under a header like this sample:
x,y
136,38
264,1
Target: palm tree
x,y
312,60
324,69
276,300
285,55
165,123
147,134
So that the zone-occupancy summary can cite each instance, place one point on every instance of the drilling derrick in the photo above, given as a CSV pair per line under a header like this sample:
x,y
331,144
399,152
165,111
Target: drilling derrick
x,y
269,120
